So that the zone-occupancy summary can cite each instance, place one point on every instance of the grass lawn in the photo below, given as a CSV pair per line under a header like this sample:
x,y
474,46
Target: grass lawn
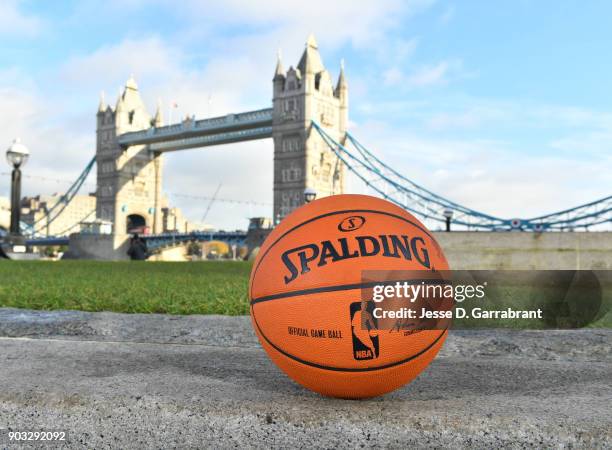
x,y
215,287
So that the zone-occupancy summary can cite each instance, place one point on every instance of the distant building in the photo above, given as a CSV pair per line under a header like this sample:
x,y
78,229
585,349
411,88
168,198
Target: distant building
x,y
80,215
174,221
35,210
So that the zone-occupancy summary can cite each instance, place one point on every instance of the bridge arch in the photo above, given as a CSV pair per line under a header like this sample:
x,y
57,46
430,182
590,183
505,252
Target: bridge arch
x,y
136,223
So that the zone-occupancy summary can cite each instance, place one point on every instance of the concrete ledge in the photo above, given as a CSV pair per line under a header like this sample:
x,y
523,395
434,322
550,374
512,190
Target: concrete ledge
x,y
527,251
116,380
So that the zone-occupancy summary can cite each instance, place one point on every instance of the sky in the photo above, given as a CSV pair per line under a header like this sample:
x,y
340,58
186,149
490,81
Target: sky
x,y
505,107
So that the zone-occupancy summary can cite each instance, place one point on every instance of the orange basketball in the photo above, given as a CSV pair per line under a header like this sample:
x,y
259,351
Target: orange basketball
x,y
307,279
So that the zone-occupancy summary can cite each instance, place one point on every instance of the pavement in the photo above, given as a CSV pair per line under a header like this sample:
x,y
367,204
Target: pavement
x,y
158,381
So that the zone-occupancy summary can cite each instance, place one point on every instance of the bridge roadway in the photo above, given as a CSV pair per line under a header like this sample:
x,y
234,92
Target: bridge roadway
x,y
160,240
226,129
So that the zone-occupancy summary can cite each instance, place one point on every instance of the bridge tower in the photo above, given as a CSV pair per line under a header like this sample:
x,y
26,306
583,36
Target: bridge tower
x,y
129,180
301,159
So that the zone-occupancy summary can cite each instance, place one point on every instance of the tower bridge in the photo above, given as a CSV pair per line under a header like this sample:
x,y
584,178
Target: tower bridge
x,y
312,149
130,143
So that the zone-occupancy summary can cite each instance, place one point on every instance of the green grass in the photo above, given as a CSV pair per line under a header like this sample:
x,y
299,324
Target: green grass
x,y
216,287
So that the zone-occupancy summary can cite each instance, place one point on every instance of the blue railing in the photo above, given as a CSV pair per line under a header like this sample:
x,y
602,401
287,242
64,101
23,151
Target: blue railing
x,y
259,119
155,241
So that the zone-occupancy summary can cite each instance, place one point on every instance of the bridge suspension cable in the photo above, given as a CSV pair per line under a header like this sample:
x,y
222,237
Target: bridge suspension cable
x,y
210,203
58,207
48,179
392,185
222,200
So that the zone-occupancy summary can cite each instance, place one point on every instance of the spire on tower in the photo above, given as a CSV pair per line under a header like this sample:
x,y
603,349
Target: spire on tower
x,y
312,42
341,85
102,105
158,120
310,62
131,83
279,72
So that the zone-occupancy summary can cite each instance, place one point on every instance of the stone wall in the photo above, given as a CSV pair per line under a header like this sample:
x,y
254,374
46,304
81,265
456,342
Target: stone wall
x,y
104,247
464,250
529,251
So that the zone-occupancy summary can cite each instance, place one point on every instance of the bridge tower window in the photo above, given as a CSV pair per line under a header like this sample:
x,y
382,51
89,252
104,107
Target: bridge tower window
x,y
290,105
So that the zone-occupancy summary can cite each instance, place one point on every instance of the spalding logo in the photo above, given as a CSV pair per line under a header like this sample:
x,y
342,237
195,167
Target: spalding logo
x,y
299,260
351,223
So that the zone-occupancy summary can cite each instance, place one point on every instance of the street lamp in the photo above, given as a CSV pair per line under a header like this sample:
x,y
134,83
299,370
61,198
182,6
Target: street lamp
x,y
309,195
16,155
448,214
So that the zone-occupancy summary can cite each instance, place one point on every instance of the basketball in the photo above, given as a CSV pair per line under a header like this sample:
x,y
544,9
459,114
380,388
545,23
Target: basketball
x,y
305,295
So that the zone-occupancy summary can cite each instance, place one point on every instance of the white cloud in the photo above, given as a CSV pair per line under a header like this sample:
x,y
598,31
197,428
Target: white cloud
x,y
488,175
13,22
148,57
429,75
397,50
65,124
586,143
472,117
363,23
58,151
423,76
570,128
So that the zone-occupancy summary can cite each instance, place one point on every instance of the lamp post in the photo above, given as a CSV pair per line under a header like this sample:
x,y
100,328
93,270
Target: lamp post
x,y
309,195
448,215
16,155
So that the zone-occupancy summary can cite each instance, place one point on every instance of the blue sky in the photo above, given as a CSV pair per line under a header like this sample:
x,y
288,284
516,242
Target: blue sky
x,y
503,106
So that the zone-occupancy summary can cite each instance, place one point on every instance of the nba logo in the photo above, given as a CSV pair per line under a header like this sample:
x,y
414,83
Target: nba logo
x,y
364,328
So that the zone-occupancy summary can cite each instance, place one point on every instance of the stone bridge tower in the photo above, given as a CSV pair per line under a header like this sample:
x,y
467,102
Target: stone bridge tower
x,y
301,157
129,180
